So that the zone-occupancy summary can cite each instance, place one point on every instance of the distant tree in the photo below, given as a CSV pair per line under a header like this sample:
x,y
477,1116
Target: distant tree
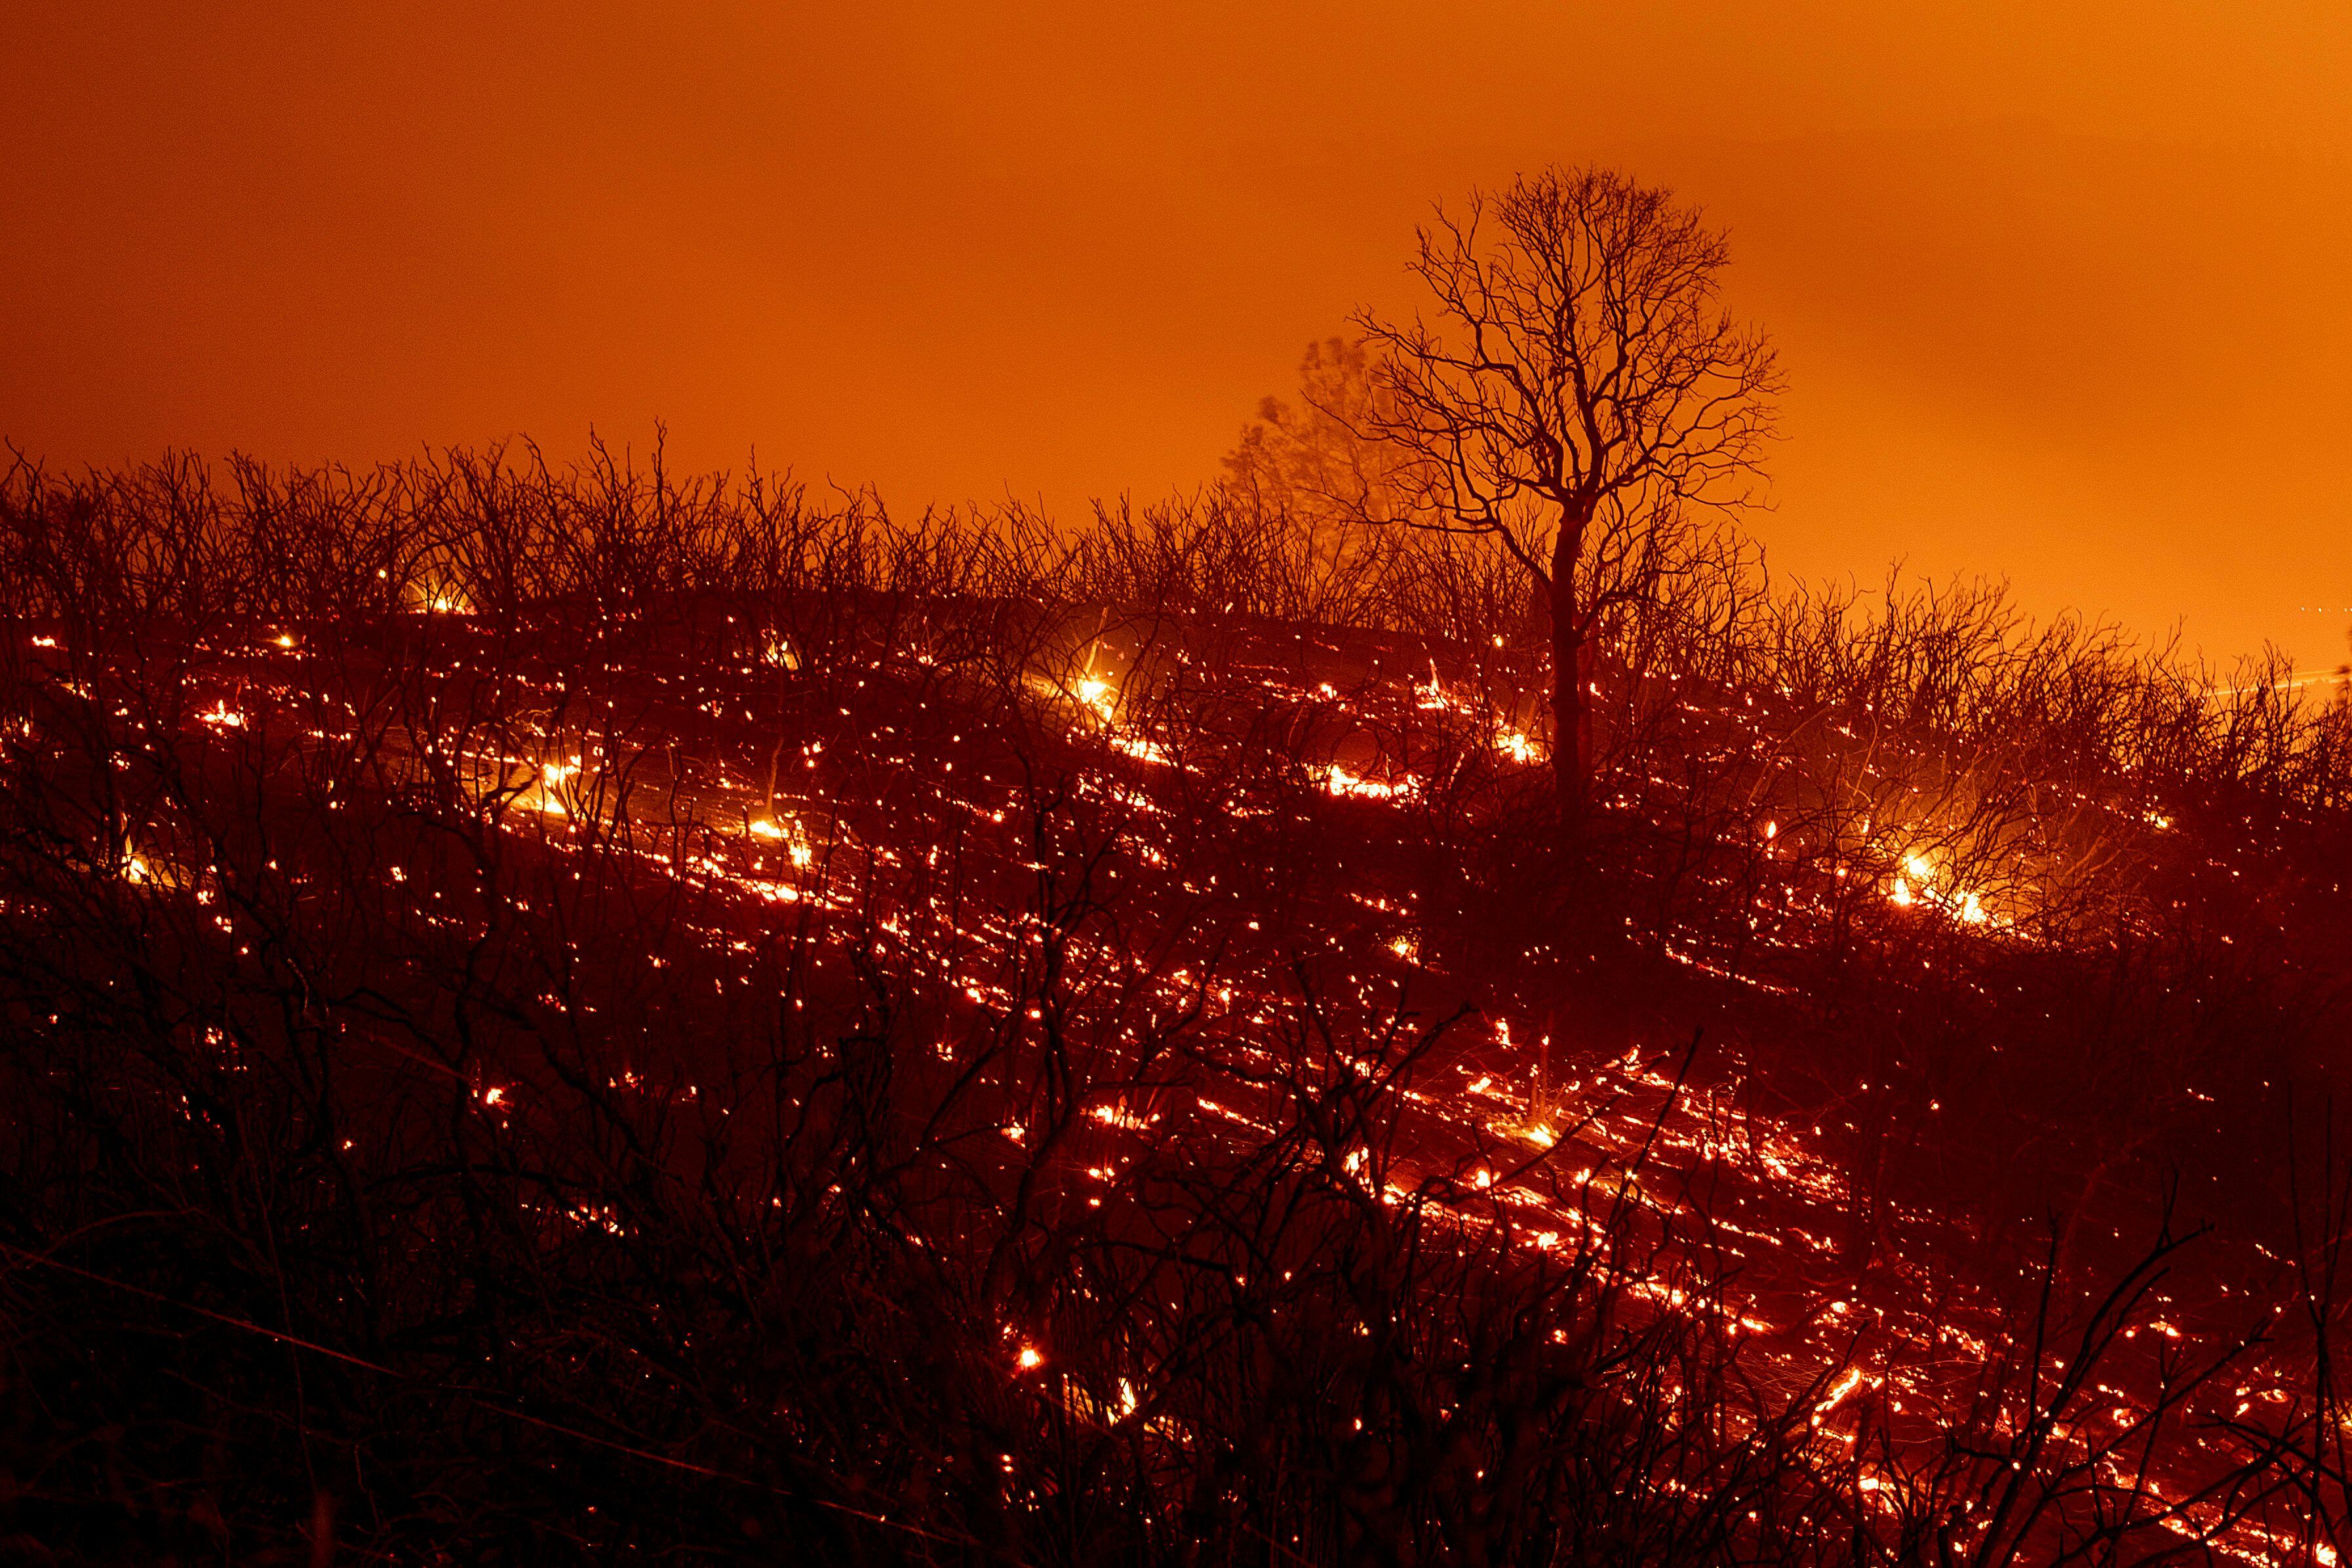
x,y
1580,394
1317,464
1319,459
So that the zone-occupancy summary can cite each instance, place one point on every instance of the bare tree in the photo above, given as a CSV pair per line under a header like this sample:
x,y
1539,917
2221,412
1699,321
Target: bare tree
x,y
1582,393
1321,461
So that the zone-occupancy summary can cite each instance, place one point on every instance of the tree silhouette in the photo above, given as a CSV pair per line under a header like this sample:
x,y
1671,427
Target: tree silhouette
x,y
1581,393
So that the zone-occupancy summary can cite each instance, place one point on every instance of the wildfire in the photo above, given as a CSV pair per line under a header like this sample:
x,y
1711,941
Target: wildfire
x,y
1340,782
1915,883
1098,696
796,845
1853,1379
1927,877
1142,748
544,796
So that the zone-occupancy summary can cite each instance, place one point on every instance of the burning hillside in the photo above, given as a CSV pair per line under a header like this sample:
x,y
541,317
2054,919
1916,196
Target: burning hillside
x,y
569,1016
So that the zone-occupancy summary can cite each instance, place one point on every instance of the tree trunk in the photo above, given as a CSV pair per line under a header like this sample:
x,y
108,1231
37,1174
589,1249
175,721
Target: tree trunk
x,y
1571,700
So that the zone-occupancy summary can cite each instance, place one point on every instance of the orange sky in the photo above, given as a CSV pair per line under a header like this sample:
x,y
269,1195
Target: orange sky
x,y
2060,289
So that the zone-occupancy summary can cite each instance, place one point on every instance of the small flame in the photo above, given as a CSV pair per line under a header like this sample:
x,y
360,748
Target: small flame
x,y
1340,782
1855,1378
1142,749
787,833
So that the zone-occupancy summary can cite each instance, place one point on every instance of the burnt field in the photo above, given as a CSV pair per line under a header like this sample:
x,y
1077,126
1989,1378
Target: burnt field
x,y
583,1016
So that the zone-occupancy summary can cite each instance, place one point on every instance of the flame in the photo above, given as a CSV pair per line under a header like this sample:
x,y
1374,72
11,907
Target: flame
x,y
1915,884
796,845
1340,782
1855,1378
1142,749
542,796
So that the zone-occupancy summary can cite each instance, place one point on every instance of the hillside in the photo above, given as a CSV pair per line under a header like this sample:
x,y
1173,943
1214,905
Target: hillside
x,y
573,1016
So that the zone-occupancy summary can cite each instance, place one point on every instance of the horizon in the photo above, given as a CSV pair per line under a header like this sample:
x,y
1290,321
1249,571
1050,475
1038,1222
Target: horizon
x,y
958,260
